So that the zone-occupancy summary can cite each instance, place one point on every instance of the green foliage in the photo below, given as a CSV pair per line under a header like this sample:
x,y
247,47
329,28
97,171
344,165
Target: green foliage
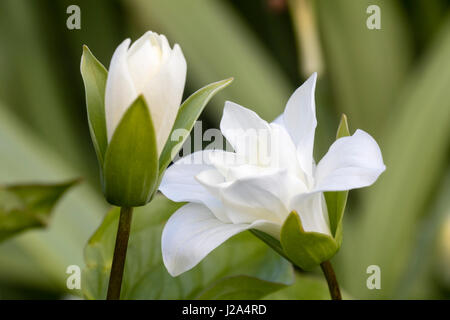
x,y
24,207
24,259
243,267
305,287
131,161
240,288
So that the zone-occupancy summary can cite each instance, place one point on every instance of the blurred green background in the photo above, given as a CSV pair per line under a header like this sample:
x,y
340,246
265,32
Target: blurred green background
x,y
394,83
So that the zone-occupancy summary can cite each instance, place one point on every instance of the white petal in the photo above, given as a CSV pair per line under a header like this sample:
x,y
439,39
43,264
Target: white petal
x,y
233,166
191,234
165,47
244,130
163,94
144,62
284,153
264,196
120,91
351,162
300,121
312,211
180,185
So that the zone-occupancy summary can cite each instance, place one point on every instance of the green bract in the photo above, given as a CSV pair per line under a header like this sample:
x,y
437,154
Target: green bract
x,y
308,249
129,165
337,200
130,169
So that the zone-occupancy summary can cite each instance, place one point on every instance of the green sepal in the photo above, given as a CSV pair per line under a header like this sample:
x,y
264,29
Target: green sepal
x,y
131,161
189,112
337,200
305,249
94,77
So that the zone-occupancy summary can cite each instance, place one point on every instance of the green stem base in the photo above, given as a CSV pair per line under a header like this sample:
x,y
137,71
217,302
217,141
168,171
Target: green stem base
x,y
120,254
333,285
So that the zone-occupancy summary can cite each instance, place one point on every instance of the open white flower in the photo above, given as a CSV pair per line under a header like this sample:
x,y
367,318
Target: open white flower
x,y
258,185
149,67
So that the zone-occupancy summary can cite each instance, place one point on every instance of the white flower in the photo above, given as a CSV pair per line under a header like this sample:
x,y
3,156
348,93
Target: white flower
x,y
149,67
231,192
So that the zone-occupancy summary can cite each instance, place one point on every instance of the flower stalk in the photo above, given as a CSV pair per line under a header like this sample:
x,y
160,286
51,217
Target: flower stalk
x,y
333,285
120,253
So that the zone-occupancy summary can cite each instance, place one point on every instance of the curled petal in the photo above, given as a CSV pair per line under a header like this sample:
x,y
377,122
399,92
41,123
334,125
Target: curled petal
x,y
351,162
179,183
244,130
192,232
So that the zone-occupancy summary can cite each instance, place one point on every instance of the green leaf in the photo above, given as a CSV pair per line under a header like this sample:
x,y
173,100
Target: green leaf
x,y
336,201
24,207
305,249
306,287
189,112
145,276
131,161
240,288
94,78
24,259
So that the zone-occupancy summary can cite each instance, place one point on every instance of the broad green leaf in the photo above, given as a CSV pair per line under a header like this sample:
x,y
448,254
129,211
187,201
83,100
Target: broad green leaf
x,y
306,287
305,249
131,161
189,112
24,207
336,201
240,288
24,259
94,78
146,277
